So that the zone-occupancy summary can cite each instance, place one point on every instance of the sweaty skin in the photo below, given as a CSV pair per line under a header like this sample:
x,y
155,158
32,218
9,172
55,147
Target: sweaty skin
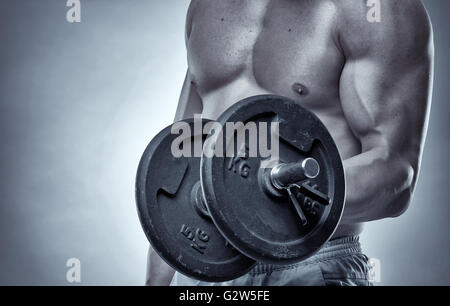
x,y
369,83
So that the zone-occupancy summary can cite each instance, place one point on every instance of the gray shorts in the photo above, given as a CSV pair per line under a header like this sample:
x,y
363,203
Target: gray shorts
x,y
340,262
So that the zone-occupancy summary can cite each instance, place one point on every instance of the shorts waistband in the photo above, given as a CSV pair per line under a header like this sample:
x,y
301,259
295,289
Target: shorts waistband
x,y
344,246
332,249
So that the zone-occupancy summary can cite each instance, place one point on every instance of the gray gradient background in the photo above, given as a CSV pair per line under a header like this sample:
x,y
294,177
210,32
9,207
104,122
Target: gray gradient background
x,y
79,103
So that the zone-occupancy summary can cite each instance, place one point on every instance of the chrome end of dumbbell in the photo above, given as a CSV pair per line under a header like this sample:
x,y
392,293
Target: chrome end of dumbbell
x,y
283,175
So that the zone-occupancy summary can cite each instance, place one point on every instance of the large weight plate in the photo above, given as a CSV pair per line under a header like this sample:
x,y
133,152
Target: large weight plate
x,y
186,239
266,228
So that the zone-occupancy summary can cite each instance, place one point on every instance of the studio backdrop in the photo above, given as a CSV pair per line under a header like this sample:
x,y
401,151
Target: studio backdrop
x,y
79,102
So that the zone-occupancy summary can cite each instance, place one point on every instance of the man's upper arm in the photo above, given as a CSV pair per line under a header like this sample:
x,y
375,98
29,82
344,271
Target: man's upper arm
x,y
387,79
190,102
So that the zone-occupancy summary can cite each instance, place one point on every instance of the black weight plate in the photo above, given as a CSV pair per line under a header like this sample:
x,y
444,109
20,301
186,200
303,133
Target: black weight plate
x,y
186,239
266,228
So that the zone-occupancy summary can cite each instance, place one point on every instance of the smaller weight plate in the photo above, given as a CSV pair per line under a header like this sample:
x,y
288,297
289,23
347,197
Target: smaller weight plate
x,y
179,230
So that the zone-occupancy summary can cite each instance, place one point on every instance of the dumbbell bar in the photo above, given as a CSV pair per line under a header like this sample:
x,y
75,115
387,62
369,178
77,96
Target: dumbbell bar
x,y
282,177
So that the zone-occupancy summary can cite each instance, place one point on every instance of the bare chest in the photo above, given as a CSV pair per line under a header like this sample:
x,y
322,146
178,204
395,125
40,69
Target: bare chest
x,y
273,44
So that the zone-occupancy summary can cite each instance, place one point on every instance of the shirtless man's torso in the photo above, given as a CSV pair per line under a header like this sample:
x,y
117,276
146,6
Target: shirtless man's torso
x,y
369,82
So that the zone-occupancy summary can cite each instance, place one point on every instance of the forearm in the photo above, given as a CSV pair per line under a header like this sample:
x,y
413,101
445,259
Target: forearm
x,y
158,272
189,104
378,185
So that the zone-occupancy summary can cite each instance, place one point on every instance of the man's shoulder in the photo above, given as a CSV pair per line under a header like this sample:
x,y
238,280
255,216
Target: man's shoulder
x,y
193,4
368,9
189,17
364,24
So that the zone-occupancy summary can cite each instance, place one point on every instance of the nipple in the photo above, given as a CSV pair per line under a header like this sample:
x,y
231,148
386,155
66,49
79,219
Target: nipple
x,y
300,89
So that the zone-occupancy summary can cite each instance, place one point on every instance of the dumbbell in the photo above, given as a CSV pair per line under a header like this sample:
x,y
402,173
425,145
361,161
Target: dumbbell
x,y
214,214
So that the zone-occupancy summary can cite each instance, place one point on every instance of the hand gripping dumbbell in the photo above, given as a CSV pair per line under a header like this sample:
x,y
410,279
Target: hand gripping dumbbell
x,y
212,213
